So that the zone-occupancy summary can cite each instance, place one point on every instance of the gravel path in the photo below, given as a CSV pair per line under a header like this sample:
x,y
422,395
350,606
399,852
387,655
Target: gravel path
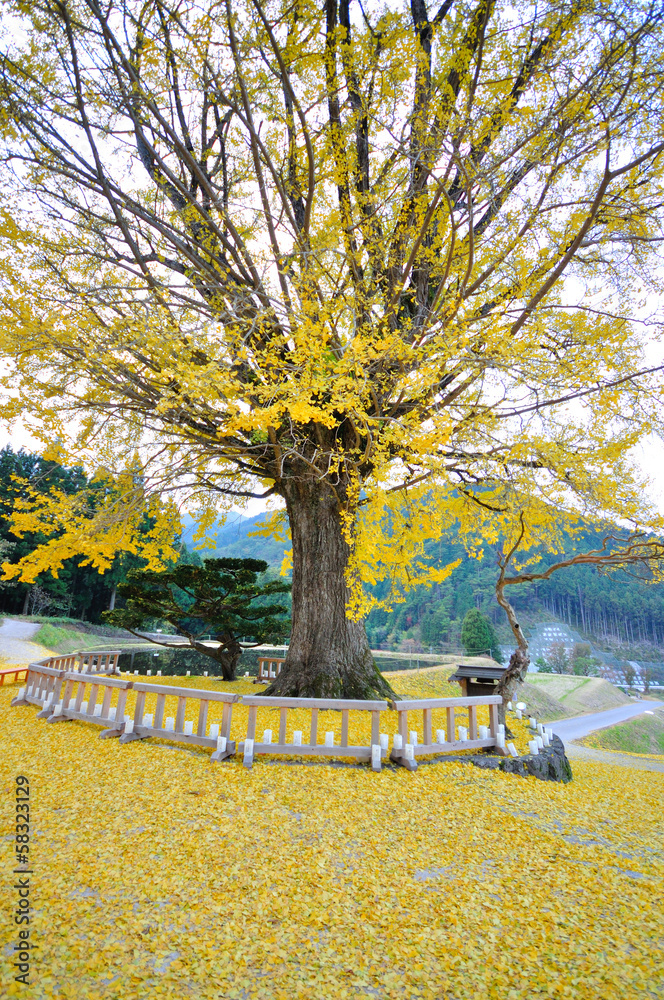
x,y
15,645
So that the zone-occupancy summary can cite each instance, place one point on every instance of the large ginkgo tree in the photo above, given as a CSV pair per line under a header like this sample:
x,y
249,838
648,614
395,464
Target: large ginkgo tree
x,y
394,267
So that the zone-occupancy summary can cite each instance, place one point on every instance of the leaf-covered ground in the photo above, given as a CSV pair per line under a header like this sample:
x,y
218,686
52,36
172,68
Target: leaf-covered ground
x,y
158,874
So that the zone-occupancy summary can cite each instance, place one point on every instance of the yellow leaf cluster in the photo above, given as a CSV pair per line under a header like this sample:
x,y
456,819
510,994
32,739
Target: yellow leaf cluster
x,y
114,514
411,276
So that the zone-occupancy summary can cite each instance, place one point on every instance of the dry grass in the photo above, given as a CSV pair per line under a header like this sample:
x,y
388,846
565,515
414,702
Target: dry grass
x,y
579,695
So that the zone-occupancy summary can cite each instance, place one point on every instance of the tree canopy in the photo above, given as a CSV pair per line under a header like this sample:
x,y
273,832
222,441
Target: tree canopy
x,y
84,582
222,597
381,260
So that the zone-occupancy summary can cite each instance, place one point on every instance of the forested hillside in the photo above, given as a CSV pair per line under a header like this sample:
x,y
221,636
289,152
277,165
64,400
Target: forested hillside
x,y
614,608
234,539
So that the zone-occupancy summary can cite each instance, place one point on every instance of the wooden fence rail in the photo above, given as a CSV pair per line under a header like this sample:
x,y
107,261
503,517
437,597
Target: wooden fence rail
x,y
373,752
44,678
86,693
180,728
42,688
70,661
88,697
99,662
407,749
90,662
269,667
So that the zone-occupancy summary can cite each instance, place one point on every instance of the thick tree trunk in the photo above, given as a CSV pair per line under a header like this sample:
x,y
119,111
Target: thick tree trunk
x,y
227,657
329,655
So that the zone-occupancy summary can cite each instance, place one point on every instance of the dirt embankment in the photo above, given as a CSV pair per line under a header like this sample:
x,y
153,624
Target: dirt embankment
x,y
579,695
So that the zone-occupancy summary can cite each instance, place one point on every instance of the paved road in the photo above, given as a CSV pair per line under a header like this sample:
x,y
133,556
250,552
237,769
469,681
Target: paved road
x,y
15,645
581,725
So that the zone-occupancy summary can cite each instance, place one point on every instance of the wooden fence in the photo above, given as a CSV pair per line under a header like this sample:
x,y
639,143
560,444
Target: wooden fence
x,y
373,752
42,688
96,707
407,746
44,678
67,695
86,693
179,728
90,662
99,663
69,661
269,667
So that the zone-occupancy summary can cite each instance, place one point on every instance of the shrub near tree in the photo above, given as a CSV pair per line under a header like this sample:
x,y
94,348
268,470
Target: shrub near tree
x,y
584,664
630,674
222,597
479,636
557,659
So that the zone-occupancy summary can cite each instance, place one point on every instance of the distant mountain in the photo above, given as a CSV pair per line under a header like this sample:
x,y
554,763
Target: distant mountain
x,y
232,539
620,613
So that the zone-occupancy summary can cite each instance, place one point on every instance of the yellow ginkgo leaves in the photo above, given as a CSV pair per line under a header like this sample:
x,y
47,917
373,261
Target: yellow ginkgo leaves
x,y
159,874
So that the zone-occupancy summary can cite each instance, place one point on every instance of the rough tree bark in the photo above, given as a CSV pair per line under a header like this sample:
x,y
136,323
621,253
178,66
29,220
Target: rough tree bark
x,y
329,655
227,656
517,668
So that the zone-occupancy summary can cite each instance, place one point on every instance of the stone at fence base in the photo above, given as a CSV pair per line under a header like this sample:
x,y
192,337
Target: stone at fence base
x,y
550,764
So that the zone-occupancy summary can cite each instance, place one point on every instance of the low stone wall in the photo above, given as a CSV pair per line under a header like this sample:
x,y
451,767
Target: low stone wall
x,y
550,764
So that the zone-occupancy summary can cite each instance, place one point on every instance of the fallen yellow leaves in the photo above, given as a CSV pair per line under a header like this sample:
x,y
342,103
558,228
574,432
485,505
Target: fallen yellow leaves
x,y
158,874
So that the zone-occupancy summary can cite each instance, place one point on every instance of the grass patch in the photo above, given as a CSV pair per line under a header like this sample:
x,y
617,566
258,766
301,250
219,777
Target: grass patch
x,y
578,695
68,640
642,735
60,640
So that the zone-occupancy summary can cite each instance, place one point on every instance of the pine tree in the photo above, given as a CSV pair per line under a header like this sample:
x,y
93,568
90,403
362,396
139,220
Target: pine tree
x,y
479,636
223,596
